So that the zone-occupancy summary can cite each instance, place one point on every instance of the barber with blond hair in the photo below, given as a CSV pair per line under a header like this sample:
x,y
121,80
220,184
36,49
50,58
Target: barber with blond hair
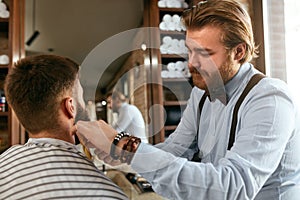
x,y
242,128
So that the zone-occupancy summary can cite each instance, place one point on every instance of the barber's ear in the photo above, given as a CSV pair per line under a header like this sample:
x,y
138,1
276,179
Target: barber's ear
x,y
240,51
70,107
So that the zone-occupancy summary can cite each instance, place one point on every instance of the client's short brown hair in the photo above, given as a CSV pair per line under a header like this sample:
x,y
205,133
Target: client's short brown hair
x,y
35,88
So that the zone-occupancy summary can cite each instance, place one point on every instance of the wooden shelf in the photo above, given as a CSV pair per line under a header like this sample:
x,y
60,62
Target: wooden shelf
x,y
175,103
174,56
11,30
170,127
4,51
4,66
172,9
172,89
3,114
175,79
4,20
179,33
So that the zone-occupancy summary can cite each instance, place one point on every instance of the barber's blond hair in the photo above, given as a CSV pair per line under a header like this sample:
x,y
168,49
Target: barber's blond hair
x,y
230,16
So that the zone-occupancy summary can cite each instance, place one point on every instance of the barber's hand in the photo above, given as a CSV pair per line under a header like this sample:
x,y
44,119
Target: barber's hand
x,y
96,134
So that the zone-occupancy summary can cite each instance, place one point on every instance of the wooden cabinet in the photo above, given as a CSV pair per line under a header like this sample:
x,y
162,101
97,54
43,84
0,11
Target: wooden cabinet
x,y
170,73
11,49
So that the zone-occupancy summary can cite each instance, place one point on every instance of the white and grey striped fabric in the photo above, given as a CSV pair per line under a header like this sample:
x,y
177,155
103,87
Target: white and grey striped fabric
x,y
52,169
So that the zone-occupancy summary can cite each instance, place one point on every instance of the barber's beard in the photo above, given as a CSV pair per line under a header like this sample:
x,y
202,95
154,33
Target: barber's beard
x,y
214,82
227,70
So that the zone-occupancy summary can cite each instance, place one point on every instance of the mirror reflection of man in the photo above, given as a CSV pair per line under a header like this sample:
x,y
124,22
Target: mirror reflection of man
x,y
130,118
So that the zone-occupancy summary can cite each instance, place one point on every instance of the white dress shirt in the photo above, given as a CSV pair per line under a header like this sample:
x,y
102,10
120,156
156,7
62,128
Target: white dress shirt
x,y
130,120
264,162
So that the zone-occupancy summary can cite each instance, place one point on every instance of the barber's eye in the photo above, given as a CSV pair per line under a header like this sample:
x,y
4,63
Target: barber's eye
x,y
205,54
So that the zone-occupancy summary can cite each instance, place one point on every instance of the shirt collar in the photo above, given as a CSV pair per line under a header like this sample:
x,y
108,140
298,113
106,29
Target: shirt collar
x,y
233,84
50,141
224,94
124,104
121,107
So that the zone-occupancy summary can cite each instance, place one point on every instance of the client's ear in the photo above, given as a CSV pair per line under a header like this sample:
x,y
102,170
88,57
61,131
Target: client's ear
x,y
70,107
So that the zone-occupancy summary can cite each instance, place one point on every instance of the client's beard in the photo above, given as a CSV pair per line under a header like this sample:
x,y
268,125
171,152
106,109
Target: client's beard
x,y
81,114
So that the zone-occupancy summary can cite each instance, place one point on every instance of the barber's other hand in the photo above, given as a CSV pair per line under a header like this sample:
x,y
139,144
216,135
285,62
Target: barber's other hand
x,y
96,134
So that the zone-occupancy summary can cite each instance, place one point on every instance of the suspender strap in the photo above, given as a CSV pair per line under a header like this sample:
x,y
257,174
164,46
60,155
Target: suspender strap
x,y
197,157
253,81
200,106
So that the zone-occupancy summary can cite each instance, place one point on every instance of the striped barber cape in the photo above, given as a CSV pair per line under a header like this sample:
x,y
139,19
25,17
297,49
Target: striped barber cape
x,y
47,168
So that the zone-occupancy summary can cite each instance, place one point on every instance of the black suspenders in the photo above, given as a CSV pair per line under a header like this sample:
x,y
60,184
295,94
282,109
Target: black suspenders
x,y
252,82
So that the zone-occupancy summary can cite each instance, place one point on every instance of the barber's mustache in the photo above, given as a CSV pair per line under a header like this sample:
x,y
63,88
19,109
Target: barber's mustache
x,y
195,70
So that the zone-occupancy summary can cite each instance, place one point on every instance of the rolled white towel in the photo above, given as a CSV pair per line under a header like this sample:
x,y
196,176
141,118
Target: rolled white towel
x,y
176,50
181,43
175,4
185,64
185,5
178,27
173,49
176,18
167,40
167,18
170,3
182,26
164,74
175,42
186,70
4,14
171,23
171,66
163,49
172,74
179,66
161,4
171,26
4,60
185,50
2,6
182,46
179,74
163,26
